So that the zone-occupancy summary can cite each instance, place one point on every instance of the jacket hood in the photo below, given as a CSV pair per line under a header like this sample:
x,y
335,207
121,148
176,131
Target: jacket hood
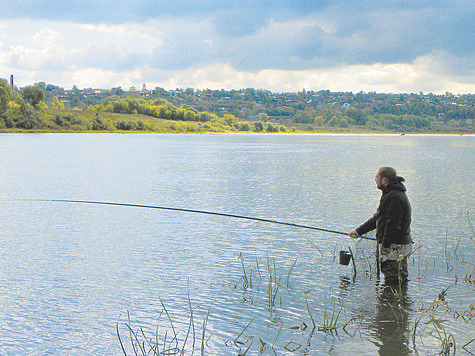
x,y
395,186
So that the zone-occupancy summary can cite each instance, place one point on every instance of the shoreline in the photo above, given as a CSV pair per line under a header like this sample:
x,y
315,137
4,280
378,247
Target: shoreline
x,y
244,133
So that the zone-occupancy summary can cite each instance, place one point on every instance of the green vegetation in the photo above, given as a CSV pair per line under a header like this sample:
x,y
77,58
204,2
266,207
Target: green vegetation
x,y
49,108
429,324
433,323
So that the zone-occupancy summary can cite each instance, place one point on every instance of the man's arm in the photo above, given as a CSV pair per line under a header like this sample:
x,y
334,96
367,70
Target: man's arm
x,y
369,225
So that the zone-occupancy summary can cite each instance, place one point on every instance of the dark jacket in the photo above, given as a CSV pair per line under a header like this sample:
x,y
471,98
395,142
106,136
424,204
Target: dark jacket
x,y
392,220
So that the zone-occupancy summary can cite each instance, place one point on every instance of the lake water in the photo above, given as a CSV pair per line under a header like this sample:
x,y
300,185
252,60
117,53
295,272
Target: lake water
x,y
72,275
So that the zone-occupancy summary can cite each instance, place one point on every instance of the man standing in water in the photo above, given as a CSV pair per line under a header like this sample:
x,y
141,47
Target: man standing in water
x,y
392,223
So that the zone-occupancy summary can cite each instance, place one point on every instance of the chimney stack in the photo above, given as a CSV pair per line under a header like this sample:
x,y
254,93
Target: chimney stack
x,y
11,81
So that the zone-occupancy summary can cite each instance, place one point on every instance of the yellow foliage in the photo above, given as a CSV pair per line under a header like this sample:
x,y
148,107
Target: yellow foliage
x,y
12,105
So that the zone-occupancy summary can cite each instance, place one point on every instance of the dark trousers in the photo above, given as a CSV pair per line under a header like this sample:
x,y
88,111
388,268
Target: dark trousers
x,y
394,271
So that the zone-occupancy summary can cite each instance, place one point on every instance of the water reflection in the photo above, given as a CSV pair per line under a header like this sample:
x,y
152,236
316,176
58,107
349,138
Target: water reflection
x,y
391,322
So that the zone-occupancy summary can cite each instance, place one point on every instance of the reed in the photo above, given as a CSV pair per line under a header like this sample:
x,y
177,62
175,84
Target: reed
x,y
273,285
142,344
318,249
448,345
205,321
289,273
469,276
236,339
471,226
281,324
429,322
245,280
330,323
305,293
191,327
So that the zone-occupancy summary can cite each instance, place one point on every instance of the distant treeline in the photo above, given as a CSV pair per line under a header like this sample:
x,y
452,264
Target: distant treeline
x,y
48,107
163,109
27,110
159,108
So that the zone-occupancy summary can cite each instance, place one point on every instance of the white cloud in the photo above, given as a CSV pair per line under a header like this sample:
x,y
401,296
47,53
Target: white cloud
x,y
378,77
96,78
148,30
46,37
339,46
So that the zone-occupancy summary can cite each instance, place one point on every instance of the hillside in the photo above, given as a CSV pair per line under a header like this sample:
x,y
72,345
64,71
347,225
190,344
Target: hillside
x,y
46,107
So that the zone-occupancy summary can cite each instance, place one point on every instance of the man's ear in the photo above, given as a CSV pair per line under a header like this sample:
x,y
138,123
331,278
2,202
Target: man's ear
x,y
384,180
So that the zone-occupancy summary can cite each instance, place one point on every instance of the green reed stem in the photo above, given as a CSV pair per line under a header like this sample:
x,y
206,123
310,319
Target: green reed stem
x,y
278,333
308,310
289,273
237,337
205,322
470,224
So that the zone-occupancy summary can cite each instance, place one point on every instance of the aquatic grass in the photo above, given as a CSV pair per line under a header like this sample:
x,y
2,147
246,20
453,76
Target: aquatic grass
x,y
471,226
318,249
330,323
205,321
171,323
434,326
369,270
431,323
247,349
447,341
258,269
272,290
305,293
469,276
245,280
142,344
236,339
289,273
281,324
273,285
263,346
191,327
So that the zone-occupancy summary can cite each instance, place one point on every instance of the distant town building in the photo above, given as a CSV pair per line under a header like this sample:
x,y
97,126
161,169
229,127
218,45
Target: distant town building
x,y
133,89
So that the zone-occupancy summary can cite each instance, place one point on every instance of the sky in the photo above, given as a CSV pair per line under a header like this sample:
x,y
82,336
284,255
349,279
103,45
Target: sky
x,y
390,46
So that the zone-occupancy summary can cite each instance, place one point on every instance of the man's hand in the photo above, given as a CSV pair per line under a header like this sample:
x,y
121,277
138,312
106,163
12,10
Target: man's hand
x,y
353,234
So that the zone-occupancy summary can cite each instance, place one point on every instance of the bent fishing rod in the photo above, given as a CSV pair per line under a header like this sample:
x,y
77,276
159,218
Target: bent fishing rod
x,y
194,211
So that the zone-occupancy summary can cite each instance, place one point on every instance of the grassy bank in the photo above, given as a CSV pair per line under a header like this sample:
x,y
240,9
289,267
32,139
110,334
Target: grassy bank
x,y
72,120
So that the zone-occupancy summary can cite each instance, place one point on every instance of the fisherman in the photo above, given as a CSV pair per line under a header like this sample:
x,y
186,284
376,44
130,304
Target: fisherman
x,y
392,223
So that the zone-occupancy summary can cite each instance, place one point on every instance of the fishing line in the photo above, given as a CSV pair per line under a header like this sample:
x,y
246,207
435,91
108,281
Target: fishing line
x,y
194,211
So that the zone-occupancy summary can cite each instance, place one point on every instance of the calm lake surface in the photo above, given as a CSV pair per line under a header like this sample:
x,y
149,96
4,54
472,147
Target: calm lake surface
x,y
71,275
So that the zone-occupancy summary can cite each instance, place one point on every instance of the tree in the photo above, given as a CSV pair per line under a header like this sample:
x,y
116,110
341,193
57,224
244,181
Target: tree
x,y
33,95
334,121
56,104
258,126
263,117
5,95
42,85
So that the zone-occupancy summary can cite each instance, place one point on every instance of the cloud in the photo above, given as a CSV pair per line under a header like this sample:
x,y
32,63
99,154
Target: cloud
x,y
396,78
253,40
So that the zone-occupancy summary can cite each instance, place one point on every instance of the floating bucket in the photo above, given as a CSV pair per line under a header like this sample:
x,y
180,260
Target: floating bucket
x,y
345,257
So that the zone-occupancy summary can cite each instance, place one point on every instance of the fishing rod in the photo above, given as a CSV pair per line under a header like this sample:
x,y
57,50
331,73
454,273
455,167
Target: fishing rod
x,y
194,211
